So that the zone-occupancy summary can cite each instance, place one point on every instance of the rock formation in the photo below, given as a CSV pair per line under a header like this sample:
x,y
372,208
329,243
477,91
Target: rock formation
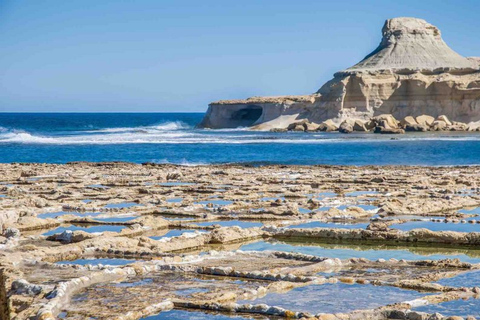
x,y
412,73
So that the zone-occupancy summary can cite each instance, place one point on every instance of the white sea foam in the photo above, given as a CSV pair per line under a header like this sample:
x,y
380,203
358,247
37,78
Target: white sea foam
x,y
181,133
167,126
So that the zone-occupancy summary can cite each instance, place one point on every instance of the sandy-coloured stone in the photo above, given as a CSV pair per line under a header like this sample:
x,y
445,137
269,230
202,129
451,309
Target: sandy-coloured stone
x,y
412,73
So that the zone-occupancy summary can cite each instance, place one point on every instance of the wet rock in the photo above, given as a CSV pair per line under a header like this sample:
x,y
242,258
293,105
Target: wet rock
x,y
278,130
416,128
383,130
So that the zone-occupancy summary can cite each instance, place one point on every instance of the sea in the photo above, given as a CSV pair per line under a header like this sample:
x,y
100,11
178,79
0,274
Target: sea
x,y
174,138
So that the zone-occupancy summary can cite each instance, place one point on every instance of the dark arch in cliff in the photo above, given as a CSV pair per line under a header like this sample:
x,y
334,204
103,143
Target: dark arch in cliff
x,y
246,116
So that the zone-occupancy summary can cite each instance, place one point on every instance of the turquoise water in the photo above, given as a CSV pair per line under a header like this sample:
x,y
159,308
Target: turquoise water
x,y
173,138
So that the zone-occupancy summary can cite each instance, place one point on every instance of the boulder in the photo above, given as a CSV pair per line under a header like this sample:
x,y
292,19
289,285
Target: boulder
x,y
326,127
346,127
278,130
370,125
386,121
383,130
425,120
302,125
298,127
310,126
408,121
416,128
359,126
458,126
438,126
444,119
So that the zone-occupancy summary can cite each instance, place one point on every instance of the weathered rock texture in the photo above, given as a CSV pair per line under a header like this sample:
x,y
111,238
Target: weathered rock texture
x,y
412,72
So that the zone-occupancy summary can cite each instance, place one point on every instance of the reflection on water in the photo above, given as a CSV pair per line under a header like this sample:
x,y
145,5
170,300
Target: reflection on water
x,y
466,279
232,223
197,315
89,229
460,308
335,298
371,252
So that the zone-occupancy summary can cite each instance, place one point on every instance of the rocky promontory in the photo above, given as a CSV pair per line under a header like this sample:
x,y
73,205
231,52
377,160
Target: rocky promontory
x,y
412,78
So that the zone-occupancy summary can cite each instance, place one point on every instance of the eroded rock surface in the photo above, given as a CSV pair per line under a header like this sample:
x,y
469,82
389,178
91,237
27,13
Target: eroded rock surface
x,y
412,73
126,241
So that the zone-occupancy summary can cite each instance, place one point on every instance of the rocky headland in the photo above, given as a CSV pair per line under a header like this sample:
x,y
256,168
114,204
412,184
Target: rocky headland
x,y
411,82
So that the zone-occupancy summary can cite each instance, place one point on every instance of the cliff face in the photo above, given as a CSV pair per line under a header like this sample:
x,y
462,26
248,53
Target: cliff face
x,y
412,72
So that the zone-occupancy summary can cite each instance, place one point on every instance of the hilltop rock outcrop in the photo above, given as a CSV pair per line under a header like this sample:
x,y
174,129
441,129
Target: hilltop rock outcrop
x,y
412,73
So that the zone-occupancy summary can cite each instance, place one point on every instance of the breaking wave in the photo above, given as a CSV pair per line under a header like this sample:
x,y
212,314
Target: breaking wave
x,y
178,132
167,126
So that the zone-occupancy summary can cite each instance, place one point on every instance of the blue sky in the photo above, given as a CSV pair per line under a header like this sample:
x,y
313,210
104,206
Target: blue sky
x,y
179,55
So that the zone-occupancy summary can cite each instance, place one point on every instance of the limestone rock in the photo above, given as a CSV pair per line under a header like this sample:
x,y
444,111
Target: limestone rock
x,y
439,125
458,126
412,43
326,127
359,126
412,73
346,127
299,128
409,120
444,119
425,120
384,130
386,121
310,126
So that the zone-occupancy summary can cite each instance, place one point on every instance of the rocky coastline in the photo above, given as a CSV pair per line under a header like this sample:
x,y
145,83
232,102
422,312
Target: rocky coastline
x,y
412,73
383,124
215,239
